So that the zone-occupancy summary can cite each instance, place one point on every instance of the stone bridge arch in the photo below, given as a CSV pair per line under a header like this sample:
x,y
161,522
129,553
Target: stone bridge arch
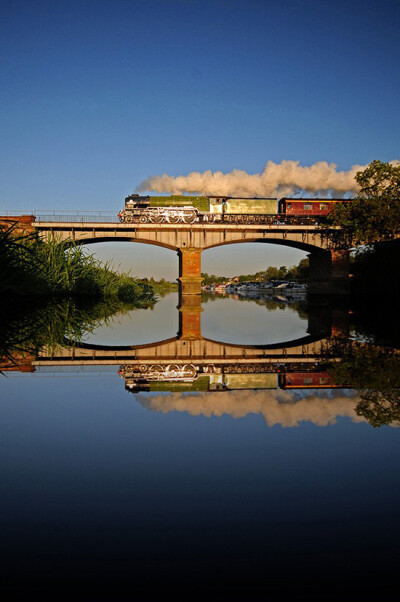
x,y
328,268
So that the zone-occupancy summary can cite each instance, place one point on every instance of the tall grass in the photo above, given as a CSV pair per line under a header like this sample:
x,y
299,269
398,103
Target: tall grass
x,y
31,266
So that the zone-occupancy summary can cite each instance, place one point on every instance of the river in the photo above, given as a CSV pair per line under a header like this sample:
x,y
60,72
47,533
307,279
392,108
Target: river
x,y
258,470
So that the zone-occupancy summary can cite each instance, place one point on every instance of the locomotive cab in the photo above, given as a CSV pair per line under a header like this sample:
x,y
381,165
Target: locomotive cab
x,y
135,201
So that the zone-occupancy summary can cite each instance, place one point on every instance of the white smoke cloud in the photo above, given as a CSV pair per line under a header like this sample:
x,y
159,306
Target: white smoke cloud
x,y
276,406
276,180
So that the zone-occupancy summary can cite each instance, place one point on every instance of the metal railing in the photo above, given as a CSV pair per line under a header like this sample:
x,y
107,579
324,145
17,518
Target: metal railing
x,y
62,216
86,218
66,216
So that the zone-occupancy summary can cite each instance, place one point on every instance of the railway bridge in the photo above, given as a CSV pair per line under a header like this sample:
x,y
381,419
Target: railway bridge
x,y
329,269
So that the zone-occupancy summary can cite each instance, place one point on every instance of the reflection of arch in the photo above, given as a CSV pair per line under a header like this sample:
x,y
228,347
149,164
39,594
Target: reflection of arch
x,y
309,339
95,347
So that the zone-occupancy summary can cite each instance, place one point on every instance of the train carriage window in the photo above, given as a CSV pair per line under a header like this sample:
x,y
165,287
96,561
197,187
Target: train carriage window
x,y
323,206
289,205
308,206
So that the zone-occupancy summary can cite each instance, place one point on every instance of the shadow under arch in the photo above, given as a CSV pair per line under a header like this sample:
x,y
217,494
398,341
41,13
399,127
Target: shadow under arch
x,y
302,246
102,239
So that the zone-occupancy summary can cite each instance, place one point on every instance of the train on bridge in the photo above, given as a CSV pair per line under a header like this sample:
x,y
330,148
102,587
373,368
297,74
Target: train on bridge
x,y
184,209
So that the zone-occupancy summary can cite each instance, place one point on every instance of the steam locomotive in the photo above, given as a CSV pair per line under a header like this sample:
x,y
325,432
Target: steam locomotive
x,y
213,209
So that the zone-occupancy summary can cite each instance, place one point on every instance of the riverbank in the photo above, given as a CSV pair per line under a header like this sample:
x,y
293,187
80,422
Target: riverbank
x,y
31,267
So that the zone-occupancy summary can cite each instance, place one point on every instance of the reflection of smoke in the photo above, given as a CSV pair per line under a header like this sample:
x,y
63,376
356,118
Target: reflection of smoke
x,y
276,179
277,407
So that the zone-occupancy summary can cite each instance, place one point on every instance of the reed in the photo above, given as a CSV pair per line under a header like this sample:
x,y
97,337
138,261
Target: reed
x,y
31,266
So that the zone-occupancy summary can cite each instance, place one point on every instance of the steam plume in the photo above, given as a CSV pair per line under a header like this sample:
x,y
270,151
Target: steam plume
x,y
276,180
276,407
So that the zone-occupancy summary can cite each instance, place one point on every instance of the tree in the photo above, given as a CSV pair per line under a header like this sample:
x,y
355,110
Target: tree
x,y
375,373
374,215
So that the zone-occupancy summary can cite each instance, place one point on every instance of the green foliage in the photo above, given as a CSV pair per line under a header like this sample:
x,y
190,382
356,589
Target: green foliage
x,y
159,287
379,179
31,266
375,272
375,373
211,279
374,215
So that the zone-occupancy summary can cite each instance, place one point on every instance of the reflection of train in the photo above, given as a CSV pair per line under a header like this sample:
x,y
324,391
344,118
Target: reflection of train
x,y
221,377
307,380
210,209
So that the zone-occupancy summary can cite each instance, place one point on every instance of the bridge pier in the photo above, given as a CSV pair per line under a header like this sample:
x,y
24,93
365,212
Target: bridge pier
x,y
189,293
189,271
329,272
189,317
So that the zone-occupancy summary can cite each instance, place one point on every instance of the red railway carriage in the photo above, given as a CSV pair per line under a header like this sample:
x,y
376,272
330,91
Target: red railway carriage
x,y
311,207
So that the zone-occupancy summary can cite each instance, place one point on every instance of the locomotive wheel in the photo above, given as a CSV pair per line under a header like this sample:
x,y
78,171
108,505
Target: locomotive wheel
x,y
128,219
174,218
155,369
189,217
143,219
245,219
211,219
156,219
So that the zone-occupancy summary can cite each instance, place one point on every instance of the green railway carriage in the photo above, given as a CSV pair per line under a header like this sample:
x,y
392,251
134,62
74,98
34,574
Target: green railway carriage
x,y
243,206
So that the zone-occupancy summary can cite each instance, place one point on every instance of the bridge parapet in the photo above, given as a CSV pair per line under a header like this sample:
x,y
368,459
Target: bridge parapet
x,y
21,224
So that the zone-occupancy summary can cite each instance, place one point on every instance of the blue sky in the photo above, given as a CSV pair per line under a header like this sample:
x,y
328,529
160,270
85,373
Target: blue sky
x,y
97,95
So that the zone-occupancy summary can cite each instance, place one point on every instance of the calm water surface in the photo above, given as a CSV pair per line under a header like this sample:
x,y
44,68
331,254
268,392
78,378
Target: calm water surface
x,y
108,494
223,319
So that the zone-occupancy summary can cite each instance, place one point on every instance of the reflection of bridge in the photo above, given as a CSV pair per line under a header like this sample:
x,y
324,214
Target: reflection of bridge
x,y
198,363
181,351
328,268
178,360
188,356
